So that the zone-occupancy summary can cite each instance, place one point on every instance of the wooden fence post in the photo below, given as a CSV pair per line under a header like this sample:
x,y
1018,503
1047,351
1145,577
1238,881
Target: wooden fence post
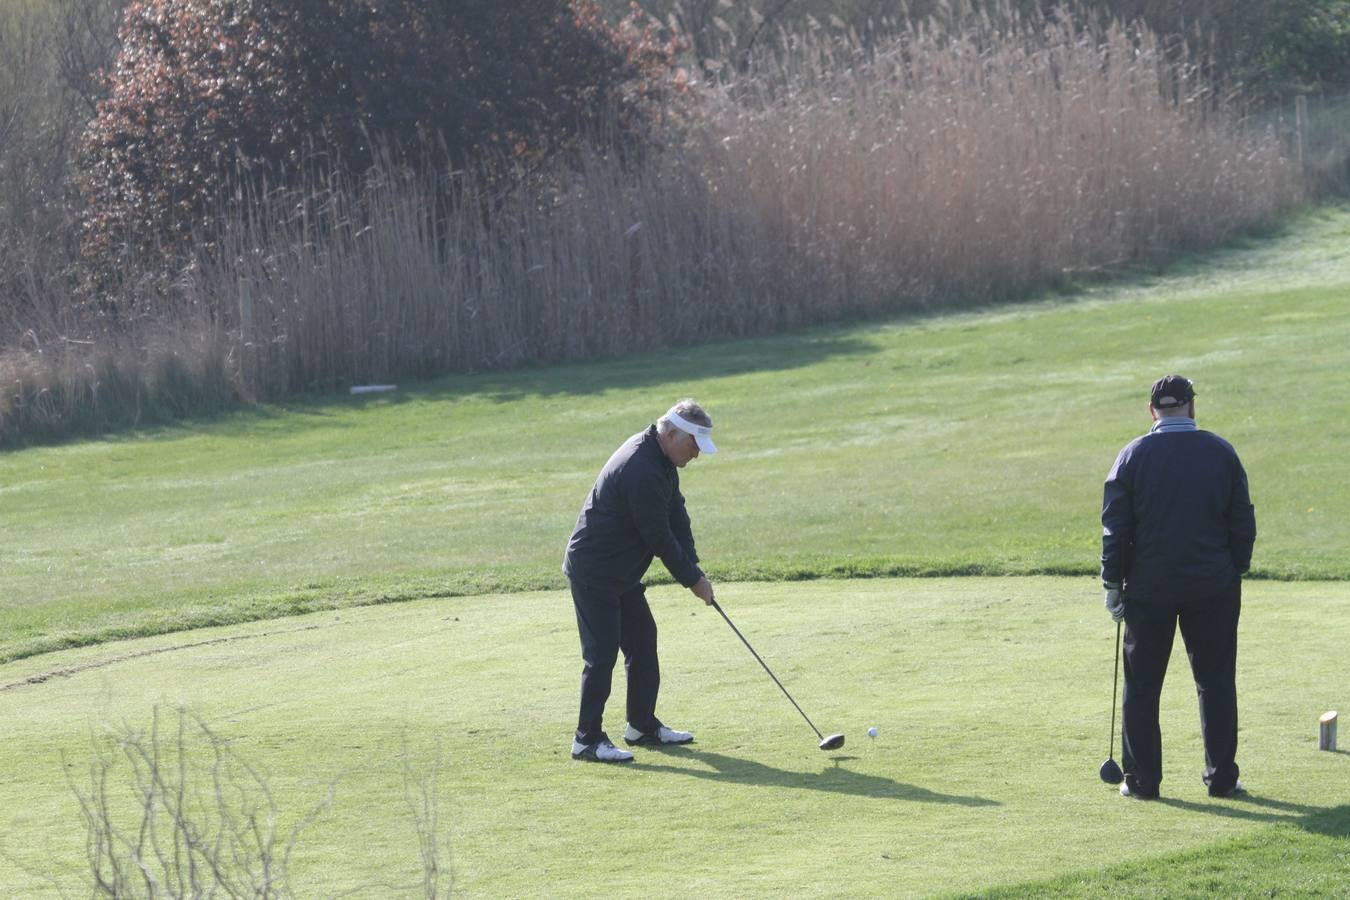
x,y
1326,738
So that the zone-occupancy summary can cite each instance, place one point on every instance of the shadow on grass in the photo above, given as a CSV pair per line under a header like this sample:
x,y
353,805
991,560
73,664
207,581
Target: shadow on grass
x,y
1333,821
679,370
1254,807
834,780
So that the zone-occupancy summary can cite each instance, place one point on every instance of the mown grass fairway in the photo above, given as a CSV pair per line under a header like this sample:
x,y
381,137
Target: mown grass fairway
x,y
958,444
992,698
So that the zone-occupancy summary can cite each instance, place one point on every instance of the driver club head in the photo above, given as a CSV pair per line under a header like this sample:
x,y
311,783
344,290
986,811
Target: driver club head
x,y
833,742
1110,772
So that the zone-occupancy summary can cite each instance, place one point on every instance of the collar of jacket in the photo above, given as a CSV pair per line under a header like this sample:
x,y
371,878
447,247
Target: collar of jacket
x,y
650,436
1168,424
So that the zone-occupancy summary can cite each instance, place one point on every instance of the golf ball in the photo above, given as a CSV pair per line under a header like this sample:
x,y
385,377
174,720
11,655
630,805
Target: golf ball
x,y
872,732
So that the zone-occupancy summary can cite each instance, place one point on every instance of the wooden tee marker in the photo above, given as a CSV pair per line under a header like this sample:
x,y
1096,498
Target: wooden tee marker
x,y
1326,738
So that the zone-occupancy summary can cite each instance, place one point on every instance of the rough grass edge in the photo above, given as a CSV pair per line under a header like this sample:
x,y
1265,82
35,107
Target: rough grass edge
x,y
332,596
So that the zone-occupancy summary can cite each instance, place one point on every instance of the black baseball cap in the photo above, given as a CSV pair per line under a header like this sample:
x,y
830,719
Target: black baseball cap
x,y
1172,391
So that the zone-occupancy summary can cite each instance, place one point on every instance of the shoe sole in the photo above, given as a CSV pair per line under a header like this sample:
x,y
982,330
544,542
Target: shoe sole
x,y
591,757
648,741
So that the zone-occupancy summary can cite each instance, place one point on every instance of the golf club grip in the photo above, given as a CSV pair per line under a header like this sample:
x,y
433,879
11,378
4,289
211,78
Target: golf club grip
x,y
767,669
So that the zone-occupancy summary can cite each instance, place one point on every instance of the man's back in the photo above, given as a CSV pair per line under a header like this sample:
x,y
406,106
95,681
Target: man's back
x,y
634,512
1180,502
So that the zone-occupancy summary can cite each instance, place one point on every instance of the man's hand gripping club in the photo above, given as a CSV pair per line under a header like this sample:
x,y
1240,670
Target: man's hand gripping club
x,y
1115,602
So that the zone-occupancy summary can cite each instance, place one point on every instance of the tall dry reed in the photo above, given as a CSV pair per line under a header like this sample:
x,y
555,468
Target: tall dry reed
x,y
939,169
383,279
981,166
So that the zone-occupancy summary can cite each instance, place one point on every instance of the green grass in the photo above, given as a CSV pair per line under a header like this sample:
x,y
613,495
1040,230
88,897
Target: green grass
x,y
991,695
1306,856
971,443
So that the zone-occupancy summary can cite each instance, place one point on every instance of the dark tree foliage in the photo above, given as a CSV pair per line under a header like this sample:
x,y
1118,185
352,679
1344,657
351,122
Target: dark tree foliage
x,y
205,90
1271,48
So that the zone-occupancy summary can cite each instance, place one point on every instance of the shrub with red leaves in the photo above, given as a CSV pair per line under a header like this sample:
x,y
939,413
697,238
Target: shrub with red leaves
x,y
204,90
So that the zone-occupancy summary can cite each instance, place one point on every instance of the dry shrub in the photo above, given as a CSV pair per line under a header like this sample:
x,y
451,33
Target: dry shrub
x,y
178,812
175,810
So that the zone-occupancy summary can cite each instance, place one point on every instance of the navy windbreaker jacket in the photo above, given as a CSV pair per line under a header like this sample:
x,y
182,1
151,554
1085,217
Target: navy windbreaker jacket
x,y
1177,518
635,512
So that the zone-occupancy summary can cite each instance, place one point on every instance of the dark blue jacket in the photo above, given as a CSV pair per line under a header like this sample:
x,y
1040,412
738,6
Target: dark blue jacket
x,y
634,513
1177,519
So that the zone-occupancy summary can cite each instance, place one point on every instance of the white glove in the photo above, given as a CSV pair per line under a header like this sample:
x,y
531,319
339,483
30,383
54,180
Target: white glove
x,y
1115,604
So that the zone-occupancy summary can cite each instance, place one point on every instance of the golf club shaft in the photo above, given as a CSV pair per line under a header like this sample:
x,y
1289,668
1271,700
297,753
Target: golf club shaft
x,y
1115,681
775,677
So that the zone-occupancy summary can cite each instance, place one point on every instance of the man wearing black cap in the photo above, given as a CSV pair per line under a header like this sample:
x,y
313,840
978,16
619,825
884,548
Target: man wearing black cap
x,y
1177,533
634,514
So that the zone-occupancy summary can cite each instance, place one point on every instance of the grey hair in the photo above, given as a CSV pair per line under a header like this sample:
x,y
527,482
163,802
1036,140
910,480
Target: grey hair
x,y
685,409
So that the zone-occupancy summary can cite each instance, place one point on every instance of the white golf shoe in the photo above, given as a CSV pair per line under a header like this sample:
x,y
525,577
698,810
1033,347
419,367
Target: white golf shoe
x,y
602,750
662,735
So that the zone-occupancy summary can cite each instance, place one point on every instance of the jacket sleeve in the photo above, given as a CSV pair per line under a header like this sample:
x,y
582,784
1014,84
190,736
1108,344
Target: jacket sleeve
x,y
650,498
1241,521
681,527
1117,521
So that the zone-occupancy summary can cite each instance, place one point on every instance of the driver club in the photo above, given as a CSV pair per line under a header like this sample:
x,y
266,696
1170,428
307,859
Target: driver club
x,y
834,741
1110,771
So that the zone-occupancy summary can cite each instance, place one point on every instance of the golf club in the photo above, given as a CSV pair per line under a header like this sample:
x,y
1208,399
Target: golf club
x,y
834,741
1110,772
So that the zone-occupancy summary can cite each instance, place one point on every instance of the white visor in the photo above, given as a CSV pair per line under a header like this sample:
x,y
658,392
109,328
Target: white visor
x,y
702,433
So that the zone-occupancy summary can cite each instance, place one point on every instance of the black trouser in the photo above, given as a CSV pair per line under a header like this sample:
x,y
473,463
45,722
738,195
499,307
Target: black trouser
x,y
1209,630
609,621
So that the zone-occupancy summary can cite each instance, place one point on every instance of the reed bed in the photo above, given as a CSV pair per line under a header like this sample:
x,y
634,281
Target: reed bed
x,y
980,168
940,169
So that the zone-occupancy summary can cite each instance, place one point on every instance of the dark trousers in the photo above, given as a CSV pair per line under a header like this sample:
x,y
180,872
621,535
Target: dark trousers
x,y
1209,631
609,621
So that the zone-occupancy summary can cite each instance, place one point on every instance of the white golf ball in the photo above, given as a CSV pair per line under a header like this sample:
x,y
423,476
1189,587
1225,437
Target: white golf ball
x,y
872,732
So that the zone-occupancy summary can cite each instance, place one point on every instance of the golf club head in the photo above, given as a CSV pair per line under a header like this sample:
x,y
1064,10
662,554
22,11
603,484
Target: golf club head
x,y
1110,772
833,742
